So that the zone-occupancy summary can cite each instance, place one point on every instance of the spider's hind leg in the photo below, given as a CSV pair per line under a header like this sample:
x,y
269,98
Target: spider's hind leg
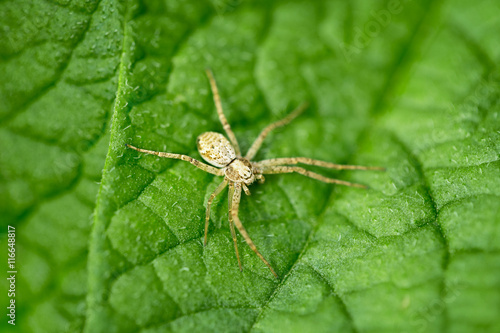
x,y
220,112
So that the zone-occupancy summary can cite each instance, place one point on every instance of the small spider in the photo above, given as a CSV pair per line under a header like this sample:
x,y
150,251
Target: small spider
x,y
239,171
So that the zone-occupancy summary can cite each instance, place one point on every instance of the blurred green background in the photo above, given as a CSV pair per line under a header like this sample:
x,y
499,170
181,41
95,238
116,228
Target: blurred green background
x,y
108,240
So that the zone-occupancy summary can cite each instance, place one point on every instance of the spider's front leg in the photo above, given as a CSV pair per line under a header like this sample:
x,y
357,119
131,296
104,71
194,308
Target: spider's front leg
x,y
215,193
260,178
282,161
231,223
245,188
260,139
234,213
291,169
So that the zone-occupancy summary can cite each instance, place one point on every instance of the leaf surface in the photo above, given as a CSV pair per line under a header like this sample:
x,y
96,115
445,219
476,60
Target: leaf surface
x,y
410,86
58,83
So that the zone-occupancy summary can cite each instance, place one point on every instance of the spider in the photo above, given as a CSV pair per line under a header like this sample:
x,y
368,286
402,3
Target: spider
x,y
239,172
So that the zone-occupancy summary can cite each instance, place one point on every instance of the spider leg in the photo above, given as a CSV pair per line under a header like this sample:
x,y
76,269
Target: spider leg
x,y
231,224
260,178
220,112
258,142
310,161
215,193
196,163
245,188
234,212
307,173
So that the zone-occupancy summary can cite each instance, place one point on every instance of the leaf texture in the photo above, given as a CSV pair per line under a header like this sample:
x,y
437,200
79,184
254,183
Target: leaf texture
x,y
410,86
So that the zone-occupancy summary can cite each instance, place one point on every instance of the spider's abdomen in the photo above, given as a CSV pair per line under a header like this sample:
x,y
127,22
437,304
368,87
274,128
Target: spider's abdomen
x,y
215,149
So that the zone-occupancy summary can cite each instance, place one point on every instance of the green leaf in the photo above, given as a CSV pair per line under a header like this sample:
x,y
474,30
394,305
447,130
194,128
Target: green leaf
x,y
58,64
411,86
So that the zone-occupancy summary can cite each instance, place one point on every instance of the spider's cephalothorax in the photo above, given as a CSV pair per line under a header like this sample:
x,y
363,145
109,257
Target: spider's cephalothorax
x,y
239,171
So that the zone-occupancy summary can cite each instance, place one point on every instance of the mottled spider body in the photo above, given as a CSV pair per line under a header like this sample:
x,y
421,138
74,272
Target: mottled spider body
x,y
239,171
215,149
218,151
